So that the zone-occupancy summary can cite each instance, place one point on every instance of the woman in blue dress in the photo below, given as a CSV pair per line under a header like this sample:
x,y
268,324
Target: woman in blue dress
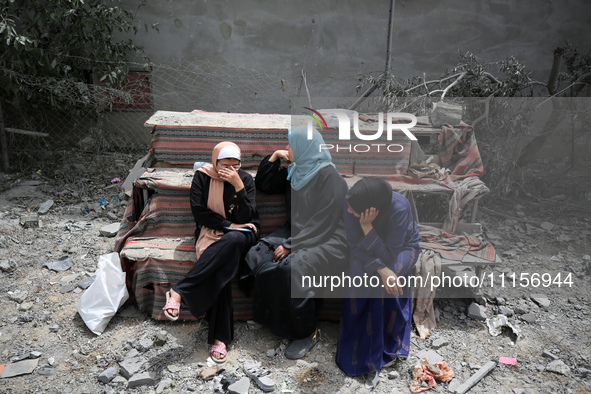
x,y
384,246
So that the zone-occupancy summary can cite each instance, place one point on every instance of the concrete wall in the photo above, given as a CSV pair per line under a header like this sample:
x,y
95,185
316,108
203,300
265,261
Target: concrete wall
x,y
260,48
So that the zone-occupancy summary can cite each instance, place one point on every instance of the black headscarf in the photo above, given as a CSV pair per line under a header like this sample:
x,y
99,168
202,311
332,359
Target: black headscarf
x,y
372,192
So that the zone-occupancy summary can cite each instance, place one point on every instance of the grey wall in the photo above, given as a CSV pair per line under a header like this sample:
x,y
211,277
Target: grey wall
x,y
245,55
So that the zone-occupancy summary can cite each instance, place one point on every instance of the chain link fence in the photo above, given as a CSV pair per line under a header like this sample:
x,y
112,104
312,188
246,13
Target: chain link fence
x,y
117,116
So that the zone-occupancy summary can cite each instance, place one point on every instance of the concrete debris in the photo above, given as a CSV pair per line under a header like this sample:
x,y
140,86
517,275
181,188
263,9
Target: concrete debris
x,y
477,312
477,377
19,368
559,367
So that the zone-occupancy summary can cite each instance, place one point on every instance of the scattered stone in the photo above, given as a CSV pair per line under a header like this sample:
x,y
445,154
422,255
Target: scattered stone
x,y
112,216
44,208
131,366
46,371
108,374
163,385
468,384
476,311
119,381
541,300
51,361
518,390
62,264
29,221
432,356
160,339
583,372
19,368
505,310
529,317
7,265
393,375
54,328
547,226
240,387
453,385
110,230
145,344
85,283
439,342
67,288
142,379
501,301
547,354
271,353
18,296
35,354
559,367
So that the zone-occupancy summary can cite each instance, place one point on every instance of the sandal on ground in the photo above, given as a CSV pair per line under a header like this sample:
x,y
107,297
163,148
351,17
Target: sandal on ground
x,y
299,347
221,349
171,304
253,370
372,380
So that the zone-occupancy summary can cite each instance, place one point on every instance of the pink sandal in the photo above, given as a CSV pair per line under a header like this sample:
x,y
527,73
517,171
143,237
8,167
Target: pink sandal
x,y
221,349
171,304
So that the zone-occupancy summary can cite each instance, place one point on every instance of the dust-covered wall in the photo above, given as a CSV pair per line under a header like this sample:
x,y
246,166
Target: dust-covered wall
x,y
263,49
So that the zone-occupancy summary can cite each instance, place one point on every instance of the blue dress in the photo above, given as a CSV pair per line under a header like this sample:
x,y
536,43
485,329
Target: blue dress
x,y
375,327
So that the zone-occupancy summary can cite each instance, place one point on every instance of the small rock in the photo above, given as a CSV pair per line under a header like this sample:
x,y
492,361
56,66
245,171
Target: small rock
x,y
518,390
54,328
547,226
160,339
144,345
393,375
110,230
476,311
439,342
18,296
240,387
86,282
529,317
112,216
131,366
547,354
454,385
119,381
271,353
25,306
559,367
141,379
583,372
505,310
51,361
35,354
44,208
7,265
108,374
541,300
163,385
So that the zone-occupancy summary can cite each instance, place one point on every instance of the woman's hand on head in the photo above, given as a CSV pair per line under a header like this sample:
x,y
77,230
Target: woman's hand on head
x,y
280,154
231,175
390,281
366,219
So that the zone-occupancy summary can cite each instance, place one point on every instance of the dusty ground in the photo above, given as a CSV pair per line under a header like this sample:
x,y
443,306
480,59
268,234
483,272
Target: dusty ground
x,y
40,318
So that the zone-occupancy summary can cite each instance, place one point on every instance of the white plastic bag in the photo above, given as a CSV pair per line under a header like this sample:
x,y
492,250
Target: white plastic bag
x,y
106,294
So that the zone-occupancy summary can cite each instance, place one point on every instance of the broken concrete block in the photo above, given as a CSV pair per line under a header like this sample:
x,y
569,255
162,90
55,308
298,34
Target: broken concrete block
x,y
19,368
477,312
142,379
108,374
558,366
529,318
131,366
541,300
44,208
482,372
110,230
547,226
30,221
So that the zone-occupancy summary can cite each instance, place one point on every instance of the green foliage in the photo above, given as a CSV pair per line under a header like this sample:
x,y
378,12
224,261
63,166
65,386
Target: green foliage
x,y
51,50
